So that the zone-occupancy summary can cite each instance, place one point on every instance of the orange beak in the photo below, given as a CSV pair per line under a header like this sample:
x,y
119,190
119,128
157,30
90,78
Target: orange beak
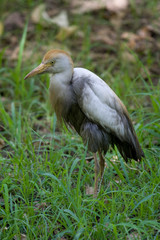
x,y
40,69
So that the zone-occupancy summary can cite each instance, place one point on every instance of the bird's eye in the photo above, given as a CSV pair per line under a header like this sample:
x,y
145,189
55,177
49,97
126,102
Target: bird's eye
x,y
52,62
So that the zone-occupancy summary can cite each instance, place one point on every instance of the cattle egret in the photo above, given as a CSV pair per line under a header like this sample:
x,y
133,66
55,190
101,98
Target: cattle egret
x,y
85,102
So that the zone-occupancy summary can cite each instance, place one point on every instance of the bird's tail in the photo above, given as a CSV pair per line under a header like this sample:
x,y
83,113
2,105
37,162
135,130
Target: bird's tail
x,y
130,149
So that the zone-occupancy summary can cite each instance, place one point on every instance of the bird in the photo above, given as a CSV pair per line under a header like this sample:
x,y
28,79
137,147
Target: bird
x,y
85,102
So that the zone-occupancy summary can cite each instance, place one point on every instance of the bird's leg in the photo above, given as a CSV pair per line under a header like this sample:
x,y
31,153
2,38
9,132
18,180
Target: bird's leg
x,y
96,174
102,162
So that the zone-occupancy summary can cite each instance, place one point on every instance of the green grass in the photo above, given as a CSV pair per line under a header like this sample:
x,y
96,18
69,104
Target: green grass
x,y
44,172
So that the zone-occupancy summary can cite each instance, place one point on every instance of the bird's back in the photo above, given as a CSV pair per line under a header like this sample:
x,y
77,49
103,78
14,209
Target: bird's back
x,y
104,119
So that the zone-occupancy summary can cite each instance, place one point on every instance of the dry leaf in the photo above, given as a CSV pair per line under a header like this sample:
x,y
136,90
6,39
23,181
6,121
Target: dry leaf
x,y
22,237
140,41
89,190
144,33
66,32
132,39
60,20
37,13
80,7
105,35
128,35
116,5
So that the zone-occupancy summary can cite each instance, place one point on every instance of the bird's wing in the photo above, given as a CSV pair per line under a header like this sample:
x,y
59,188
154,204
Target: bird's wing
x,y
100,104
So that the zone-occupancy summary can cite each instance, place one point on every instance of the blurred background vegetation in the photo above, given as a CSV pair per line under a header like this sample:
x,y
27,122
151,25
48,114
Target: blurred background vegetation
x,y
118,40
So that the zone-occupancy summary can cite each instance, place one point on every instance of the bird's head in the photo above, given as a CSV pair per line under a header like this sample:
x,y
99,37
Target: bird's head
x,y
54,61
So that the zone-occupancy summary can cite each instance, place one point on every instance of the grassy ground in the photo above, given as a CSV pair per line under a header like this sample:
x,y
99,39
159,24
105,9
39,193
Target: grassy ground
x,y
44,175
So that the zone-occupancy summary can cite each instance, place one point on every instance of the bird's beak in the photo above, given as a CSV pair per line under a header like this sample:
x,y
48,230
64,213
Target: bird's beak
x,y
40,69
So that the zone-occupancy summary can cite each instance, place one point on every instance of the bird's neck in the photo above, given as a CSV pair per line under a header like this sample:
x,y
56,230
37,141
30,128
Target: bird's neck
x,y
60,92
60,83
61,77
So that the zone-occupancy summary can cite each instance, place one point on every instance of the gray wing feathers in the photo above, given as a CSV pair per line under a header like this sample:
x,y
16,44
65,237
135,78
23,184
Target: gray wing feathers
x,y
98,101
102,106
